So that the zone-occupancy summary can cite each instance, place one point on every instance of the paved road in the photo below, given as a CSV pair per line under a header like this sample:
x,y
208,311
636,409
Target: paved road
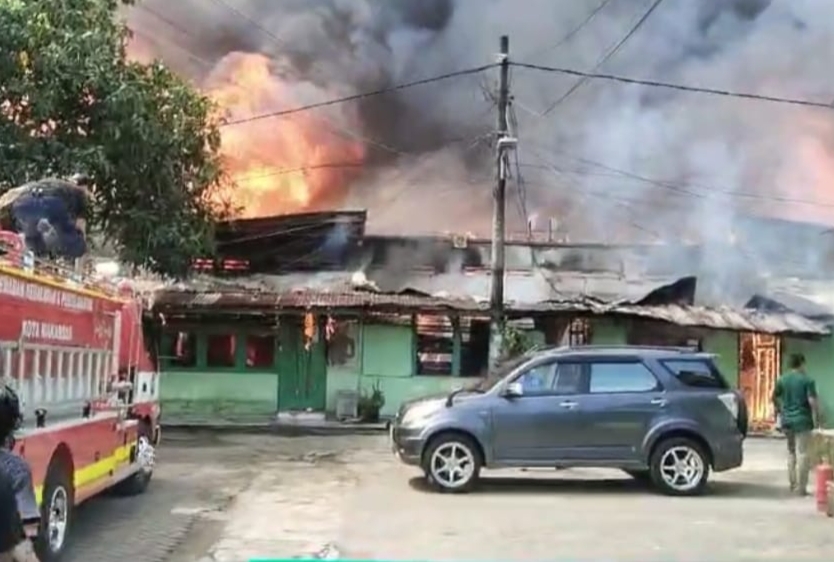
x,y
262,496
148,528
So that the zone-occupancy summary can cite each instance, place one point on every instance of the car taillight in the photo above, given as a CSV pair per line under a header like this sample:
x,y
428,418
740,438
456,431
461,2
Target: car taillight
x,y
730,401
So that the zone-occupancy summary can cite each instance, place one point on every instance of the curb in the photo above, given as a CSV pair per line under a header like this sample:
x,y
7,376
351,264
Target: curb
x,y
280,429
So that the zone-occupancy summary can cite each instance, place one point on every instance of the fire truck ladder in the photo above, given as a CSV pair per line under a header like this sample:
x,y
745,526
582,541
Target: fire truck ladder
x,y
55,382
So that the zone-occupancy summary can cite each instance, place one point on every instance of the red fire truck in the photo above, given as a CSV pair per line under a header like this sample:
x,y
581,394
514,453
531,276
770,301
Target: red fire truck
x,y
75,354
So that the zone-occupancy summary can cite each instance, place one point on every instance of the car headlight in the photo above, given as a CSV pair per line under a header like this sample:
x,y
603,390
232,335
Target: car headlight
x,y
418,413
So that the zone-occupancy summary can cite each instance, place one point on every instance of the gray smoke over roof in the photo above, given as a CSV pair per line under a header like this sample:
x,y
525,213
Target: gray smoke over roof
x,y
612,162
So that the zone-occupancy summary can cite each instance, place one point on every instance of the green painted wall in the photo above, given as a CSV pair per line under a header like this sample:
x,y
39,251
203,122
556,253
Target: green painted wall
x,y
388,361
388,350
608,331
195,396
399,389
725,346
820,366
386,358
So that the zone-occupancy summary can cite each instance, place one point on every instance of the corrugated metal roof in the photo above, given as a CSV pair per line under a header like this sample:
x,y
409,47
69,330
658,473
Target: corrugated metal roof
x,y
723,318
255,300
727,318
523,288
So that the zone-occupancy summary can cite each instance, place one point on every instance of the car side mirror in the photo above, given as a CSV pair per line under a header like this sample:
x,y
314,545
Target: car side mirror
x,y
514,390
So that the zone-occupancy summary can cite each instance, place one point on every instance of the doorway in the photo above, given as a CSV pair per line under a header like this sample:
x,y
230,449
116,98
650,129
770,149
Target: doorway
x,y
302,366
760,358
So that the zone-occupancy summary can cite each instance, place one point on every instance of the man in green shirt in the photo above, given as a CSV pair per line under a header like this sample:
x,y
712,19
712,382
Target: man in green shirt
x,y
795,401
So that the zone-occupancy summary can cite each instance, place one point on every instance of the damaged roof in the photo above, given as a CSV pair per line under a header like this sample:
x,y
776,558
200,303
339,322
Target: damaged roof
x,y
468,294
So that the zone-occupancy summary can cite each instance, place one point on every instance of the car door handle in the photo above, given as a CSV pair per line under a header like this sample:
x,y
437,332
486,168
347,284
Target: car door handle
x,y
569,404
658,402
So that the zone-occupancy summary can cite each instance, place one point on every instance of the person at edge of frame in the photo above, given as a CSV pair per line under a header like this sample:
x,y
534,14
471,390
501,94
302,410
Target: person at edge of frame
x,y
18,507
797,411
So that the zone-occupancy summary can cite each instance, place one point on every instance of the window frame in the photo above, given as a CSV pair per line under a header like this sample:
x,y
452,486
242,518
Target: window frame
x,y
659,387
555,362
201,344
704,361
243,342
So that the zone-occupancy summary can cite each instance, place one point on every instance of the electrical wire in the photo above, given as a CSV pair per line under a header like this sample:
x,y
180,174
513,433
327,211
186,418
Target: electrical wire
x,y
671,86
686,190
210,66
572,33
606,57
363,95
329,123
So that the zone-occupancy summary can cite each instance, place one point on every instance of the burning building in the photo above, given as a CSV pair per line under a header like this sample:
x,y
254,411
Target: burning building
x,y
611,162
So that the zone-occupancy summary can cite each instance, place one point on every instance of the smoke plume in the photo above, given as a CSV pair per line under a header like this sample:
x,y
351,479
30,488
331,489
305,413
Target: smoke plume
x,y
611,162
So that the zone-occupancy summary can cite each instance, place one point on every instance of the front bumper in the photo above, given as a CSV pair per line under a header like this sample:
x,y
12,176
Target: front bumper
x,y
407,444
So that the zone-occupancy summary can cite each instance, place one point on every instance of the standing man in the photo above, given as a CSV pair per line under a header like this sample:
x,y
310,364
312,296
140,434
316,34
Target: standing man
x,y
795,402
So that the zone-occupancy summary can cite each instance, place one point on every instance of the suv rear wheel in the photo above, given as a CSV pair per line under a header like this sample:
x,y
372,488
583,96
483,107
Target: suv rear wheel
x,y
679,467
452,463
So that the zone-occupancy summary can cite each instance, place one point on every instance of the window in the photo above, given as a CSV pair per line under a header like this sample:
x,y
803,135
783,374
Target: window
x,y
621,377
579,332
181,349
260,351
434,344
538,379
220,350
696,373
552,378
569,378
342,342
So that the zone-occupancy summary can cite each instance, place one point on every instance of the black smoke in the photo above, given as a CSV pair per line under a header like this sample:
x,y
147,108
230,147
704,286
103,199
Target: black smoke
x,y
421,139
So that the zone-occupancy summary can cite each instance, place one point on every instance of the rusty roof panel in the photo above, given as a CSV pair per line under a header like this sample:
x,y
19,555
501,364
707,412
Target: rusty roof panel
x,y
305,300
721,318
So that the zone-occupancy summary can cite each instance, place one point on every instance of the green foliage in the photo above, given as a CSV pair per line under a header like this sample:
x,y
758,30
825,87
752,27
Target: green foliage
x,y
370,404
71,102
516,342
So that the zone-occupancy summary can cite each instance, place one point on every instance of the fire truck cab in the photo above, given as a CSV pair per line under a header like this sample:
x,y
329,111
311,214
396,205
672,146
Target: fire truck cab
x,y
73,350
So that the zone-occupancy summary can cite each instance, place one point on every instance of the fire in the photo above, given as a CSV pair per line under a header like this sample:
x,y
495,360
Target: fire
x,y
277,165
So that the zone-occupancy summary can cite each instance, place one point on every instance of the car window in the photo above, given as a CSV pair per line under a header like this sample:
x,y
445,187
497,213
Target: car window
x,y
697,373
621,377
569,378
538,379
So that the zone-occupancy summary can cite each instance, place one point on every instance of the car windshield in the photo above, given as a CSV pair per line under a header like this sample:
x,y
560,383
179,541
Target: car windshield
x,y
502,371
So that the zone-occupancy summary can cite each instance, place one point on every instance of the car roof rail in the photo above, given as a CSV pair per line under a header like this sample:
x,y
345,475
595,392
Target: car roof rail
x,y
669,348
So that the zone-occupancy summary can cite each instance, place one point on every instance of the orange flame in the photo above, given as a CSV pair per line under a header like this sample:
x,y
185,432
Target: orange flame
x,y
277,165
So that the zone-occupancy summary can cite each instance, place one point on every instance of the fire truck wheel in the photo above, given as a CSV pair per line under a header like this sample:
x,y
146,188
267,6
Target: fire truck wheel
x,y
56,512
138,482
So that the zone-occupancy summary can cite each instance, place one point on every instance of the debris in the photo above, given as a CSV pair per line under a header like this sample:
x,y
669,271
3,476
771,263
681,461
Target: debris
x,y
328,552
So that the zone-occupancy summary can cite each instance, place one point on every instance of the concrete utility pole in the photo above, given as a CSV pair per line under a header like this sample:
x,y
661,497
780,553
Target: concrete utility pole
x,y
503,144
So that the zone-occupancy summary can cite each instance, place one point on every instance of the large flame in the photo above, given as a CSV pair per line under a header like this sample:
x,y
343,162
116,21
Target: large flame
x,y
281,164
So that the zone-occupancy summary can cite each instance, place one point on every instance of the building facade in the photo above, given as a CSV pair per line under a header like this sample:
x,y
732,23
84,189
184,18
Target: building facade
x,y
289,322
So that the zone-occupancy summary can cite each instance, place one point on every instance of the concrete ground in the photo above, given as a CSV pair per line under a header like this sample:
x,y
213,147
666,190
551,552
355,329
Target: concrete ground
x,y
231,498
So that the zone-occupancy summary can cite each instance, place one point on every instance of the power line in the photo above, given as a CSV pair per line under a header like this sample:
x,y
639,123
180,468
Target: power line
x,y
671,86
710,190
607,56
284,45
573,32
311,167
209,66
360,96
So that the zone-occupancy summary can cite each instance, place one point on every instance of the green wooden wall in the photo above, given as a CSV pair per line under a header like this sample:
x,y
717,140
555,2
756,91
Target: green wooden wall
x,y
386,358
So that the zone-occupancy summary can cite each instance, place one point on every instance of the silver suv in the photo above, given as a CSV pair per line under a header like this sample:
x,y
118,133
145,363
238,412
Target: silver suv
x,y
665,415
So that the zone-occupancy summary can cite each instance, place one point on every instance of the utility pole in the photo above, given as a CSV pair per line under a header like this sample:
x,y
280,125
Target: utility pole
x,y
503,144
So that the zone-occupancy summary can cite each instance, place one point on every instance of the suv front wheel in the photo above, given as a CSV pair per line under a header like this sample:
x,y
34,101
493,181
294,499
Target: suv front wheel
x,y
679,467
452,463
